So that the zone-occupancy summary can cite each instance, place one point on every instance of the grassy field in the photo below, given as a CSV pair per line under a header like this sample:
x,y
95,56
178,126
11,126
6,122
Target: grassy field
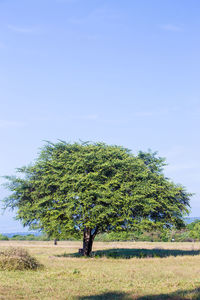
x,y
128,270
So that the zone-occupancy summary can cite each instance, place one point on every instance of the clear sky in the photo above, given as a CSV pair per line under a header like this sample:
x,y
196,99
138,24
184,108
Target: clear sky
x,y
125,72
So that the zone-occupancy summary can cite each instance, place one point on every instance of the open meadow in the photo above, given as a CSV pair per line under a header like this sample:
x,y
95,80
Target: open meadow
x,y
128,270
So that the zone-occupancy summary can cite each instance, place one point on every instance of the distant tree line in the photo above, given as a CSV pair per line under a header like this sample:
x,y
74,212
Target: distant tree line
x,y
190,233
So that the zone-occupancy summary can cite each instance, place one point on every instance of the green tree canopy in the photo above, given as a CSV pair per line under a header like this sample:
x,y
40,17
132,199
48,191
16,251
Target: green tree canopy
x,y
90,188
194,229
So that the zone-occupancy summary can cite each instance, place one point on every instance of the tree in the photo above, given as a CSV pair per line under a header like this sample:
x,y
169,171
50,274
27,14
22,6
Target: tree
x,y
194,229
90,188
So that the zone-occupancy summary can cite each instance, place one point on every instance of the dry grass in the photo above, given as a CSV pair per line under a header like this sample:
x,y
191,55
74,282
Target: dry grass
x,y
173,277
12,259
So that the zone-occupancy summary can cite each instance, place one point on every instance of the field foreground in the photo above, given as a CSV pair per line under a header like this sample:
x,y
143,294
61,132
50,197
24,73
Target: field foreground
x,y
128,270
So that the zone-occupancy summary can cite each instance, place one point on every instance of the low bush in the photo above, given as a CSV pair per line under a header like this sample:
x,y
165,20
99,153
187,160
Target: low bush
x,y
12,259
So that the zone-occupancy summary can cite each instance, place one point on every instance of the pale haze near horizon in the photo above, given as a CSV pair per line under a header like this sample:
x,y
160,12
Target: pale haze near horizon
x,y
122,72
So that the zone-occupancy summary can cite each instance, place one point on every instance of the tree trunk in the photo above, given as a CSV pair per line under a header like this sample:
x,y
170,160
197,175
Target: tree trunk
x,y
88,239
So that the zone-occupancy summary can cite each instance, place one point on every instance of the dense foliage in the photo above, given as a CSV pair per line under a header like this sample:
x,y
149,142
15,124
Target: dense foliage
x,y
94,188
3,237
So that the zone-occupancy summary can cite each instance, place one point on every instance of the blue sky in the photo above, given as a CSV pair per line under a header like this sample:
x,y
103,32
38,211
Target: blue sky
x,y
125,72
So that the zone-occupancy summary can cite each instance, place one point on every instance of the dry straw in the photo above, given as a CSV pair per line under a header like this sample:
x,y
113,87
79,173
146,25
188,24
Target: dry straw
x,y
12,259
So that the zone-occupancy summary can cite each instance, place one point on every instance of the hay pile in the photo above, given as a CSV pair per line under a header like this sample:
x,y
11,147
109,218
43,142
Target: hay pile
x,y
12,259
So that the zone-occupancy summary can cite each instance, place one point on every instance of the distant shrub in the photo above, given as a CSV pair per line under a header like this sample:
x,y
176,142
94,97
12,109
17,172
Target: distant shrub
x,y
154,236
3,238
12,259
116,236
192,224
18,237
165,235
195,232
